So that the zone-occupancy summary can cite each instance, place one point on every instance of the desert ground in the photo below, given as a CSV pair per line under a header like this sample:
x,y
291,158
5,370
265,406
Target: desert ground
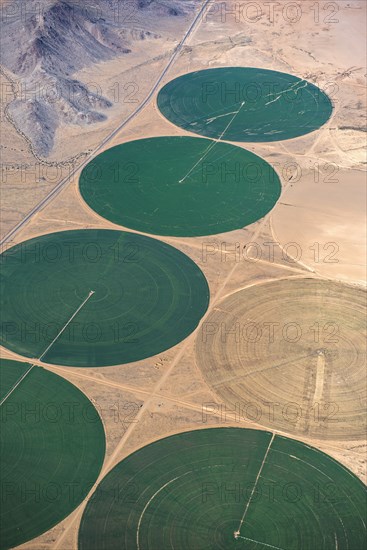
x,y
322,203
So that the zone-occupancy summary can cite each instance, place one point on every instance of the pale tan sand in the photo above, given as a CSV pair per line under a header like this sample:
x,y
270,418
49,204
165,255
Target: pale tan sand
x,y
327,221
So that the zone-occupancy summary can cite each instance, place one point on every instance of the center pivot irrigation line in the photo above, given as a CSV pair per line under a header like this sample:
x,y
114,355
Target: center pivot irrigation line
x,y
263,543
46,350
237,533
210,147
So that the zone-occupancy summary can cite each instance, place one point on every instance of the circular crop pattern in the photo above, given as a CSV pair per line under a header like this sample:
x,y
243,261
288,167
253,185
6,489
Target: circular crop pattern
x,y
226,488
244,104
180,186
52,450
98,297
290,355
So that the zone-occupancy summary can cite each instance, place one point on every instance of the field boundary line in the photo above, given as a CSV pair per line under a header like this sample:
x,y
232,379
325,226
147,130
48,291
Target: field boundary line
x,y
8,394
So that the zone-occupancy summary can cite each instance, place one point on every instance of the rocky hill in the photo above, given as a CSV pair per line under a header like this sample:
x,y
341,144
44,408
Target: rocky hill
x,y
46,44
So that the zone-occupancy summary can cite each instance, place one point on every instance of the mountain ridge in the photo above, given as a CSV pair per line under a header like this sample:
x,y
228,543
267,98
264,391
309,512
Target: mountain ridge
x,y
47,46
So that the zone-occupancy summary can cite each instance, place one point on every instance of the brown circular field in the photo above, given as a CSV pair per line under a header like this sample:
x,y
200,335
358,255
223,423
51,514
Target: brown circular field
x,y
290,355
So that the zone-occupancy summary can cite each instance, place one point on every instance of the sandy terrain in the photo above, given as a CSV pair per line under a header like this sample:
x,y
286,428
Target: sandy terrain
x,y
167,394
332,241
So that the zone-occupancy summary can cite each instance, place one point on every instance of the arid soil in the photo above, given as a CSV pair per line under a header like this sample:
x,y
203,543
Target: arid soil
x,y
323,182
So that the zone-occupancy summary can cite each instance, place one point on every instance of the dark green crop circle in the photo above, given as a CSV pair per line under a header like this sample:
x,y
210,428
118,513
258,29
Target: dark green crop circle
x,y
52,450
180,186
223,489
117,297
244,104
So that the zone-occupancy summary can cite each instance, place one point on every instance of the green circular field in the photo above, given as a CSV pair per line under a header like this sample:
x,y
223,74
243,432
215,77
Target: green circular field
x,y
52,450
180,186
244,104
226,488
98,297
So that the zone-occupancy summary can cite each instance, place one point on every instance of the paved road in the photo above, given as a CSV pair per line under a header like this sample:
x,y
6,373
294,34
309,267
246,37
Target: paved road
x,y
63,183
